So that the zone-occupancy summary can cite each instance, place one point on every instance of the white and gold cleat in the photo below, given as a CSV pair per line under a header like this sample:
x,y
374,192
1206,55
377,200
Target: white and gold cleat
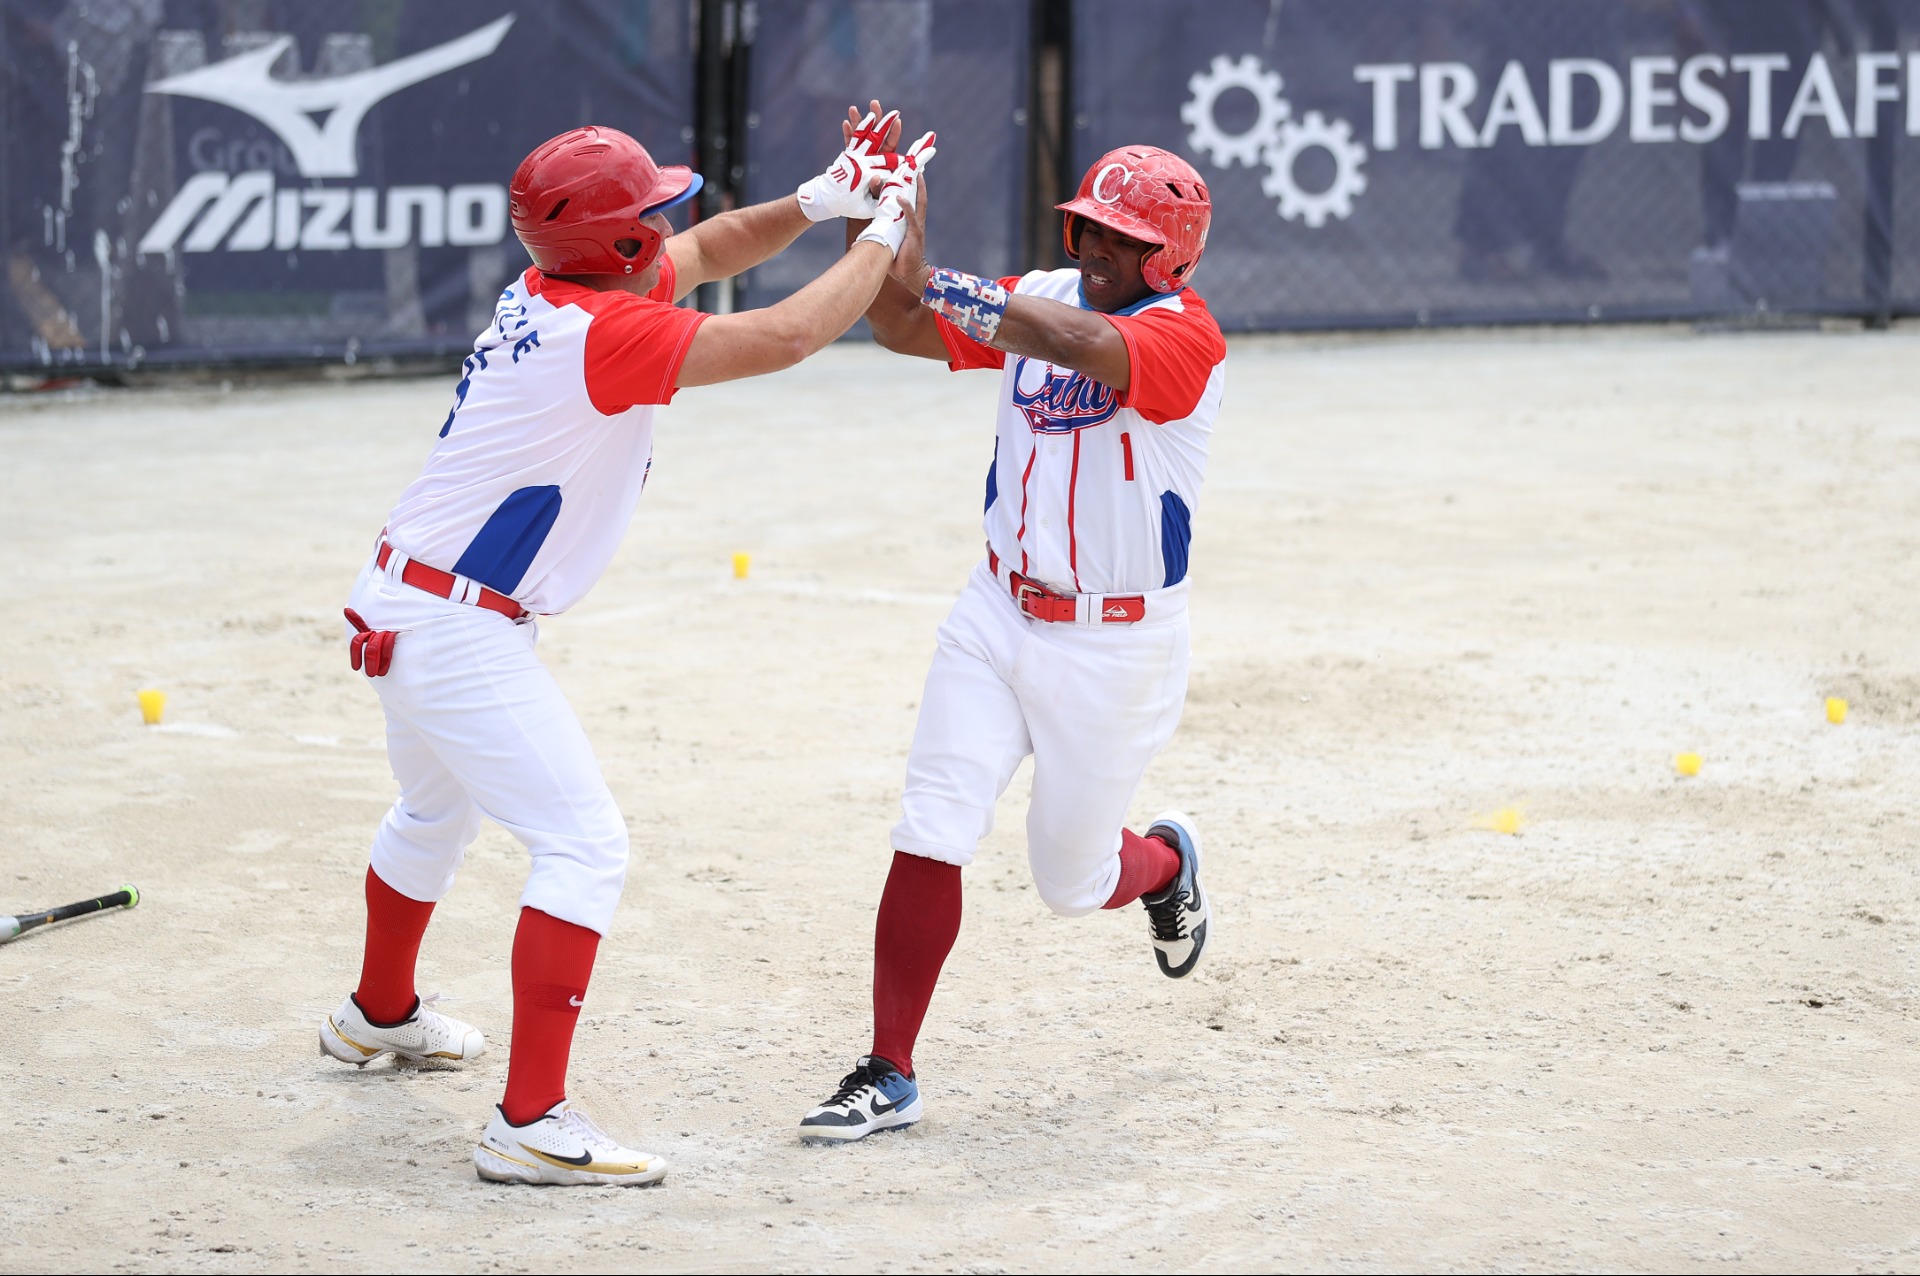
x,y
562,1148
348,1035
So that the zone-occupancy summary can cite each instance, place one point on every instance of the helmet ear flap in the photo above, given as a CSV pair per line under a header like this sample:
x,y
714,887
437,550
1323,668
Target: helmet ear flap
x,y
646,242
1070,228
1156,278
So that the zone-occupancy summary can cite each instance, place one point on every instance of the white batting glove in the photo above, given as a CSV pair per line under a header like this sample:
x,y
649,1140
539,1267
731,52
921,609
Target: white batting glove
x,y
888,227
841,191
897,198
905,179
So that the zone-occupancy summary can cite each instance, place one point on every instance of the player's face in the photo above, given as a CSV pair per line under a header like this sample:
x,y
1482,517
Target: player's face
x,y
1110,267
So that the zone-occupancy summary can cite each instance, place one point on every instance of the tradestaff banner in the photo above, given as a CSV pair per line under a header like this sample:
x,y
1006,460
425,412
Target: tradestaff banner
x,y
1376,162
191,181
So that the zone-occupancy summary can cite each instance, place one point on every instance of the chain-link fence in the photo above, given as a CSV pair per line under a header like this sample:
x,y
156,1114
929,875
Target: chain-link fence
x,y
958,67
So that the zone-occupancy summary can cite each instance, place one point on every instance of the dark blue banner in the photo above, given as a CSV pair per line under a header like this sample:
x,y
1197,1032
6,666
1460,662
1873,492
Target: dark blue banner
x,y
324,181
1386,162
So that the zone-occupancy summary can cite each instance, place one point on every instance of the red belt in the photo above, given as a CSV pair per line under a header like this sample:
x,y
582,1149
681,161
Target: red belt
x,y
1042,603
446,585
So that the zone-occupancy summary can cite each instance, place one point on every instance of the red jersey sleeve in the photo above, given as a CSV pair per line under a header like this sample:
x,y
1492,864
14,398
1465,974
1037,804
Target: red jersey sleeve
x,y
1171,354
966,352
635,345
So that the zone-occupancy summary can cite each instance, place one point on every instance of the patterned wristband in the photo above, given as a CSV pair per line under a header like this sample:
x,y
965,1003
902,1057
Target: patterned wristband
x,y
970,303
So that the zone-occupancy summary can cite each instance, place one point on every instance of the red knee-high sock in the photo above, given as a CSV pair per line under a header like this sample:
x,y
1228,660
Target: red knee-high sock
x,y
552,961
919,920
1147,864
394,927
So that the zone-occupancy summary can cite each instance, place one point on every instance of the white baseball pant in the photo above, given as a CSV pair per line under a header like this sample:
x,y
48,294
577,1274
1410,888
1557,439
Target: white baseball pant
x,y
476,726
1092,704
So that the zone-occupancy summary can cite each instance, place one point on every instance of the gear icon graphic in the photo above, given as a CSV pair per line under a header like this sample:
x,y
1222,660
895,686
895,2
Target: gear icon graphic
x,y
1314,207
1204,132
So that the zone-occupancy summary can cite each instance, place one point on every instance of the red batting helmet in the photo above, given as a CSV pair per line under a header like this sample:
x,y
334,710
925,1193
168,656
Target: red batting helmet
x,y
1151,195
578,200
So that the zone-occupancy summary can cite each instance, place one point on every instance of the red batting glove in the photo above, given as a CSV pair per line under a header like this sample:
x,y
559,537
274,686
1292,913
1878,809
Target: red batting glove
x,y
371,649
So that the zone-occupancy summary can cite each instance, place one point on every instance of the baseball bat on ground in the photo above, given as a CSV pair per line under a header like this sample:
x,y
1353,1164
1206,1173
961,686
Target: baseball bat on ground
x,y
14,927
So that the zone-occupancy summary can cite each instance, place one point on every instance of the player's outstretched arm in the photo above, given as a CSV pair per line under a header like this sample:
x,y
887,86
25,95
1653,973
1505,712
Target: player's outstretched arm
x,y
899,322
751,342
723,246
902,316
729,347
1067,337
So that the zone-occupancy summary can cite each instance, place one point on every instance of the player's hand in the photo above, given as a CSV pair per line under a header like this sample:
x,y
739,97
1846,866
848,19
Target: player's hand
x,y
867,130
893,216
851,186
910,266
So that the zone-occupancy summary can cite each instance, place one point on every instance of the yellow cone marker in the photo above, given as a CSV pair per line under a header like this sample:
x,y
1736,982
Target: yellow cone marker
x,y
152,705
1836,710
741,563
1508,820
1687,764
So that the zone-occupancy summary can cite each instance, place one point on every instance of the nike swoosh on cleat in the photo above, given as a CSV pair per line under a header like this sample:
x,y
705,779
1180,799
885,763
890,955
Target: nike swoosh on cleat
x,y
585,1163
584,1159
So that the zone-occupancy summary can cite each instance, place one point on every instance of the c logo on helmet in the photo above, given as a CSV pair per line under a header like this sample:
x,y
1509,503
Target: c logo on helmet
x,y
1100,182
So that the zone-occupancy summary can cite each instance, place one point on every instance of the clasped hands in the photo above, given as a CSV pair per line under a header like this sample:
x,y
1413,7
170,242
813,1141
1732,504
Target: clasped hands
x,y
870,179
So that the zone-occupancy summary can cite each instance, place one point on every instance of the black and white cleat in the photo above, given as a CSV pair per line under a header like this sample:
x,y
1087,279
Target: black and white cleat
x,y
1179,916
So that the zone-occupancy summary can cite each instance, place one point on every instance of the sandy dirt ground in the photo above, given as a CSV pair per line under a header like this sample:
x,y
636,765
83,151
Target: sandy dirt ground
x,y
1669,1025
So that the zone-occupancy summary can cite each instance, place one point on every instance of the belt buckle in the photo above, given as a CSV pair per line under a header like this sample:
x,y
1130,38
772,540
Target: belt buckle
x,y
1025,591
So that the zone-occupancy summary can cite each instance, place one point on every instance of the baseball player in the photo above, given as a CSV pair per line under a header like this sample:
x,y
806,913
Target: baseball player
x,y
1069,641
523,501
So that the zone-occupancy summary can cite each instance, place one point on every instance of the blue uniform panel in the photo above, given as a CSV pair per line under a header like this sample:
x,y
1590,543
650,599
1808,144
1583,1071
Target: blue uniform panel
x,y
500,555
1176,530
993,482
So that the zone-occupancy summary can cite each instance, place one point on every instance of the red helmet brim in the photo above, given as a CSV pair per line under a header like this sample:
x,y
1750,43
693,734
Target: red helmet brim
x,y
1112,219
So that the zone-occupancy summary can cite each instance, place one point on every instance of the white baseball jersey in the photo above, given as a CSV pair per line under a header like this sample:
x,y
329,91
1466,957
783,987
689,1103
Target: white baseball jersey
x,y
1092,491
543,457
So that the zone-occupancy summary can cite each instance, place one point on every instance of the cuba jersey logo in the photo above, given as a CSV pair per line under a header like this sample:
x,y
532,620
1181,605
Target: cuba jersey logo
x,y
1063,401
